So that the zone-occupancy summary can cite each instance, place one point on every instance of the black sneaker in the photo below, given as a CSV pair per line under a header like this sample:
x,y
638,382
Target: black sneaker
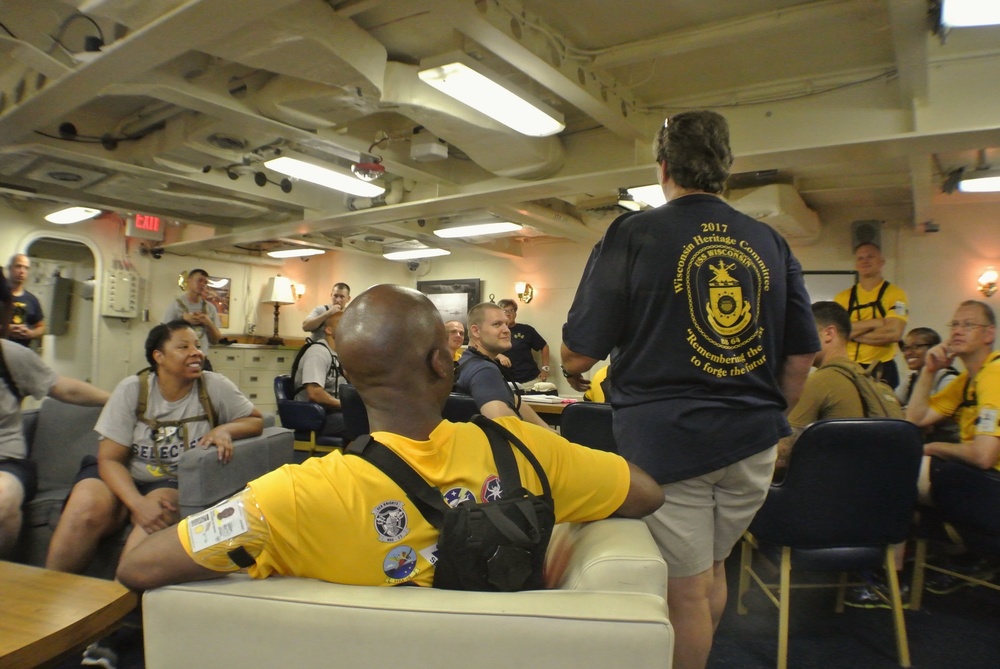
x,y
875,596
99,654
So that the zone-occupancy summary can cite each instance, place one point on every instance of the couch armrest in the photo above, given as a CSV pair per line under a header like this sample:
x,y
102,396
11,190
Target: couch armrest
x,y
614,555
203,480
306,623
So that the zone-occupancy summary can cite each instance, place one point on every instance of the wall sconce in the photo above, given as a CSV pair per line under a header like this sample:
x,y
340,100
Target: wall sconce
x,y
300,290
524,291
988,282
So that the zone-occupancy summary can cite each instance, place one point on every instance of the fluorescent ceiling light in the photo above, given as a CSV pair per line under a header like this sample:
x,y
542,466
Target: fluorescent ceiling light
x,y
72,215
980,181
414,254
478,229
307,169
651,195
296,253
970,13
470,82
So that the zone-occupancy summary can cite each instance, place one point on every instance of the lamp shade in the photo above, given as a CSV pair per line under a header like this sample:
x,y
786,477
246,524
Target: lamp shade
x,y
279,291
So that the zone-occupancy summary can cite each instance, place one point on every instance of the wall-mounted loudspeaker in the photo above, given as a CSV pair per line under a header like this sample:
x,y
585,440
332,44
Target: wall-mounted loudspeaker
x,y
866,232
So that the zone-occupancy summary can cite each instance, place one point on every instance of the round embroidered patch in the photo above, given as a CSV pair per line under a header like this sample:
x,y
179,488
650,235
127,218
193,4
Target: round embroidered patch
x,y
399,563
492,489
390,521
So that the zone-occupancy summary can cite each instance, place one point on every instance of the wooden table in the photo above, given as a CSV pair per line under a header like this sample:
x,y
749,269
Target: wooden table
x,y
45,613
550,412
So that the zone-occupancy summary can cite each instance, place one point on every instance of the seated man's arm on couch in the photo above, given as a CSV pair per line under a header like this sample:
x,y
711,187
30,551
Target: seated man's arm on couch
x,y
73,391
644,495
158,560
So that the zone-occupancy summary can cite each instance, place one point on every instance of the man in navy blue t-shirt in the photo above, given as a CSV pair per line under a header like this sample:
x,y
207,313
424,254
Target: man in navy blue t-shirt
x,y
27,320
704,313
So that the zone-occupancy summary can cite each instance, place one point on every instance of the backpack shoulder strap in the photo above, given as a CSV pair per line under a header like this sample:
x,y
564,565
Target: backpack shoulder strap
x,y
851,376
878,298
184,307
852,301
295,364
499,435
9,378
140,405
424,496
206,403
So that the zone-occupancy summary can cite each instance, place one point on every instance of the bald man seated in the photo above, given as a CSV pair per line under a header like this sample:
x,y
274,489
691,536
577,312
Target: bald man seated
x,y
315,520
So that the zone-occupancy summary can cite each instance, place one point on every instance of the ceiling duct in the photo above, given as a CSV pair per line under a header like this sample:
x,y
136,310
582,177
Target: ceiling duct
x,y
782,208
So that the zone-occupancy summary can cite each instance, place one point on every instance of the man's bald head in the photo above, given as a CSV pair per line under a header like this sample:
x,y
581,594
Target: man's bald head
x,y
388,337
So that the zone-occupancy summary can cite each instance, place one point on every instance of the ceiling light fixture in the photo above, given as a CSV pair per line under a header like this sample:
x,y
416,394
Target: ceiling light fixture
x,y
969,13
460,76
651,195
328,176
72,215
979,181
296,253
415,254
626,201
478,229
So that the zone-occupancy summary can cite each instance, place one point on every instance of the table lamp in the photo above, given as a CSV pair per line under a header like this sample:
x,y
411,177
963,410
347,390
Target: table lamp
x,y
277,292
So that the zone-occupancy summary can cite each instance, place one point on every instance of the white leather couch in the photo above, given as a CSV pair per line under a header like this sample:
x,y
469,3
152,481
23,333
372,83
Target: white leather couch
x,y
608,611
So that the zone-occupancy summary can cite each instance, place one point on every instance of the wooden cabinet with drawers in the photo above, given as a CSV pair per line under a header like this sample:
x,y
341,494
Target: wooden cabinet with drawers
x,y
253,368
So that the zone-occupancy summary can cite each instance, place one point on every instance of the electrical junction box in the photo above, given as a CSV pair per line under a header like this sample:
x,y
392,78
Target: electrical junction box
x,y
121,294
425,148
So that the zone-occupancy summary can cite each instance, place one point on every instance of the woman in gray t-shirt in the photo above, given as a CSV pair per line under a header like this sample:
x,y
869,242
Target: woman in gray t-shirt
x,y
149,421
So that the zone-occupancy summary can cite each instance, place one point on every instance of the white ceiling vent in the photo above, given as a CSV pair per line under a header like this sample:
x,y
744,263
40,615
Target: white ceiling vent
x,y
781,207
66,175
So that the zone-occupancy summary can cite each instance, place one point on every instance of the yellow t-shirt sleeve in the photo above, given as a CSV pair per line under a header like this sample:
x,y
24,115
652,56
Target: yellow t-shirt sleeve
x,y
988,400
946,401
236,523
895,304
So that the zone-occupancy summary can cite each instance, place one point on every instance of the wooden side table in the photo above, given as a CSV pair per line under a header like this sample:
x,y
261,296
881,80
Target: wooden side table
x,y
47,613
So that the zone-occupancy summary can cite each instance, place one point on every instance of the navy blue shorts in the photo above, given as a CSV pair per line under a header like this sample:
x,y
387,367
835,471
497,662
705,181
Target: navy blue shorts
x,y
88,470
25,471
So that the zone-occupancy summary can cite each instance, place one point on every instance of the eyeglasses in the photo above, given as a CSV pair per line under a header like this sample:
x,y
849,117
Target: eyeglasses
x,y
965,325
913,347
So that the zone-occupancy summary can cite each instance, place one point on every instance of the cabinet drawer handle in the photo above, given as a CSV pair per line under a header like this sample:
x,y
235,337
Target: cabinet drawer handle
x,y
253,379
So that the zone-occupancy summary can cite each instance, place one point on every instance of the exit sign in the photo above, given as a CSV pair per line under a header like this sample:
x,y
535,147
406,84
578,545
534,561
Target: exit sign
x,y
145,226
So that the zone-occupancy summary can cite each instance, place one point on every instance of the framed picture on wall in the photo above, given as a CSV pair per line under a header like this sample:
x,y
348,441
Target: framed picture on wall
x,y
452,297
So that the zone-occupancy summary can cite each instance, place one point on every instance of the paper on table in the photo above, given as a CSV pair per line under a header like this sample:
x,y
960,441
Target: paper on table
x,y
545,399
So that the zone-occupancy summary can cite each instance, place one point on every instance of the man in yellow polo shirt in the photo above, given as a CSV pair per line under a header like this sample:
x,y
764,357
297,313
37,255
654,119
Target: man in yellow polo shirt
x,y
878,311
338,518
972,398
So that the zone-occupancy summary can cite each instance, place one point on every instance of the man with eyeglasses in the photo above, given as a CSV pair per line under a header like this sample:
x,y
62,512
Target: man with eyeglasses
x,y
878,311
972,397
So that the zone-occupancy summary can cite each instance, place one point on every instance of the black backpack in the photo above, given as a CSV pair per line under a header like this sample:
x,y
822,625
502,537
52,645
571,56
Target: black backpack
x,y
298,358
496,546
